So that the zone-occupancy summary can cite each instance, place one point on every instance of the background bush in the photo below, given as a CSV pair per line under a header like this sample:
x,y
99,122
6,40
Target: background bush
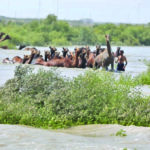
x,y
50,31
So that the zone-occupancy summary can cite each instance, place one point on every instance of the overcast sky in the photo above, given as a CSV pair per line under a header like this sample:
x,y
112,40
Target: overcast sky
x,y
116,11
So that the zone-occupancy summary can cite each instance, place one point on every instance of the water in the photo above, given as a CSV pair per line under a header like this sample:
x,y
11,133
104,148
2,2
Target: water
x,y
91,137
135,56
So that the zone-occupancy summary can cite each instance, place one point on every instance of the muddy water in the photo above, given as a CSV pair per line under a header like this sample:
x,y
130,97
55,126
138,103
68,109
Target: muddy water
x,y
135,56
90,137
93,137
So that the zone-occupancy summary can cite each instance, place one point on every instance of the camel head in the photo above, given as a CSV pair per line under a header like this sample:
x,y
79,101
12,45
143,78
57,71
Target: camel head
x,y
25,58
1,34
47,55
52,50
82,55
78,51
98,49
65,51
7,37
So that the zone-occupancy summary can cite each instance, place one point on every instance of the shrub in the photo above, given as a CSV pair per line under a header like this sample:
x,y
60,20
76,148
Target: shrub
x,y
44,99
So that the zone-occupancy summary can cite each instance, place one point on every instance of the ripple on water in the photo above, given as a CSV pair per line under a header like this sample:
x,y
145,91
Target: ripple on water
x,y
89,137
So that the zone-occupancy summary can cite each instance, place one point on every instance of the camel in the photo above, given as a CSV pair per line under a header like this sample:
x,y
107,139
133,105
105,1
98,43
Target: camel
x,y
47,55
1,34
35,54
7,37
117,53
62,62
25,59
7,61
21,47
17,59
90,58
98,49
52,51
82,60
65,51
105,58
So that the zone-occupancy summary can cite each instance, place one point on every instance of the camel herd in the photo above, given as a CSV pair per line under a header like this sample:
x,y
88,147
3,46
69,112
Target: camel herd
x,y
81,57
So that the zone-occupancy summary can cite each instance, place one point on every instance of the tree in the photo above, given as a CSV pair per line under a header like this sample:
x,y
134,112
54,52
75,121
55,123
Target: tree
x,y
50,19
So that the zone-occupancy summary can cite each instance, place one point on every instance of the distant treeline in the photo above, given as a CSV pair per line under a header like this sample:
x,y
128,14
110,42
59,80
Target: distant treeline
x,y
51,31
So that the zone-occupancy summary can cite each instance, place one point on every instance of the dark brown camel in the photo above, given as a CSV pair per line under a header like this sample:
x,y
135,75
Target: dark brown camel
x,y
82,59
117,53
52,51
7,37
47,55
65,51
1,34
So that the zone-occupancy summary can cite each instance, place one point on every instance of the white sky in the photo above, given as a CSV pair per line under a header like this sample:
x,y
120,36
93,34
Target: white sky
x,y
116,11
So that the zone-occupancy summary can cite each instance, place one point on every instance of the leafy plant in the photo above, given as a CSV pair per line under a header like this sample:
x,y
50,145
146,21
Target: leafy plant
x,y
121,133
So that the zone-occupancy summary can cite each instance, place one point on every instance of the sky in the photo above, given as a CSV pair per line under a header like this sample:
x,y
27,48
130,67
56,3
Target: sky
x,y
115,11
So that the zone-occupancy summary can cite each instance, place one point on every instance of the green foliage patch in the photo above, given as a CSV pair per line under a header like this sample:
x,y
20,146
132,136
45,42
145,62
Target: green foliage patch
x,y
50,31
44,99
144,78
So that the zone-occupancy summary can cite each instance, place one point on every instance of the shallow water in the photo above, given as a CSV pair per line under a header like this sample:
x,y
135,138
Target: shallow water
x,y
135,56
90,137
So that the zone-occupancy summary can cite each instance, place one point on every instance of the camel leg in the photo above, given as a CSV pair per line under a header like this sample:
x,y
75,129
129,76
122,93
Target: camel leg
x,y
112,66
106,67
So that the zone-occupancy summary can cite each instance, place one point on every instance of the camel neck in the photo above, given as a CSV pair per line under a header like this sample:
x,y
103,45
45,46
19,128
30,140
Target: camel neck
x,y
108,48
75,64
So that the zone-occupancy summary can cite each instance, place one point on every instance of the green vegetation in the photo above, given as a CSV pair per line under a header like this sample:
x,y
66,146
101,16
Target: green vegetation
x,y
51,31
44,99
121,133
144,78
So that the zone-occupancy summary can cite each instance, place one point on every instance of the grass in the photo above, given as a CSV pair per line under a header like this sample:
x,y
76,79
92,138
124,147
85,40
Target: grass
x,y
44,99
144,78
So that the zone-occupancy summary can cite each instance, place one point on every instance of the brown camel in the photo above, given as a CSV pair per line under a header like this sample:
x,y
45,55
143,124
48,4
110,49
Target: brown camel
x,y
62,62
7,61
105,58
90,58
17,59
47,55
